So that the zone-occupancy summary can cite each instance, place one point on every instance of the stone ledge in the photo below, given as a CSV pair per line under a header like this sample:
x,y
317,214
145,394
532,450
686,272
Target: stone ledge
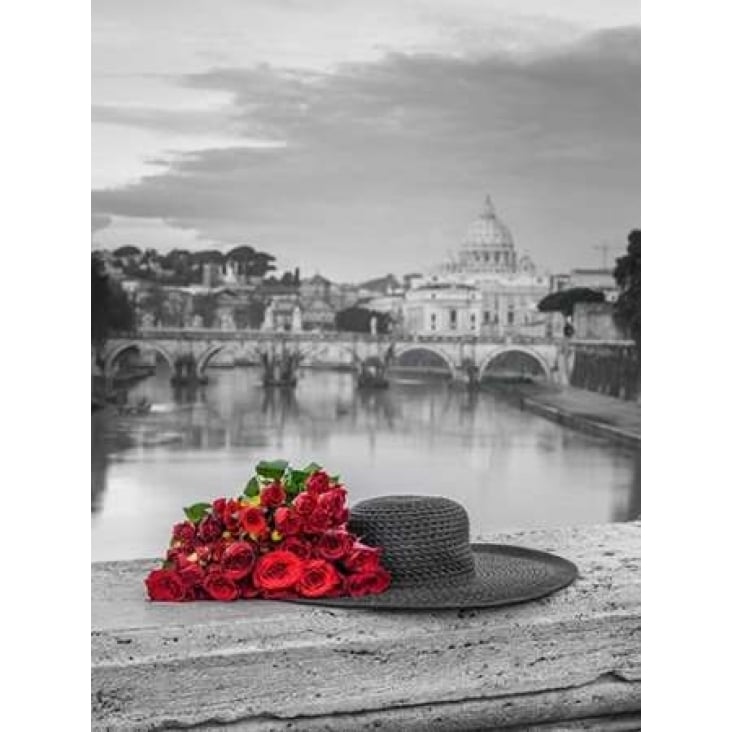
x,y
569,661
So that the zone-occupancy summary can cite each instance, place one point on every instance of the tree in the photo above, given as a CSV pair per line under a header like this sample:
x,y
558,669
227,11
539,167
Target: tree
x,y
252,262
627,273
564,301
111,309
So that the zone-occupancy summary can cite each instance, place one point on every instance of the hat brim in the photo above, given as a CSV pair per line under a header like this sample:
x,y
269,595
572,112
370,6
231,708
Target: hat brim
x,y
503,575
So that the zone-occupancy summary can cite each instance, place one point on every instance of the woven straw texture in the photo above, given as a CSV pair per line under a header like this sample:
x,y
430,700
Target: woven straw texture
x,y
433,565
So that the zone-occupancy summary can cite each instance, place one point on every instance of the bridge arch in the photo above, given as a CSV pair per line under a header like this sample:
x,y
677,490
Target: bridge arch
x,y
248,351
532,354
426,348
120,348
207,355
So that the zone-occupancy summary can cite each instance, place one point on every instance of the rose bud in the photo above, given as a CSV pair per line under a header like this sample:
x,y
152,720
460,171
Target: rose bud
x,y
317,522
334,544
368,583
318,483
287,521
218,506
252,520
333,501
238,560
231,514
278,570
319,578
273,495
165,585
220,587
184,532
210,529
297,546
362,558
305,503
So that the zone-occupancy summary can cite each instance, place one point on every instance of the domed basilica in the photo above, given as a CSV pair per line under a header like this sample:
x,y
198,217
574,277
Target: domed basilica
x,y
483,287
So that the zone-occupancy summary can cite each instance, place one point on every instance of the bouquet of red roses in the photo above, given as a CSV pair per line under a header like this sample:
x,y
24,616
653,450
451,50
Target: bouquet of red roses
x,y
285,537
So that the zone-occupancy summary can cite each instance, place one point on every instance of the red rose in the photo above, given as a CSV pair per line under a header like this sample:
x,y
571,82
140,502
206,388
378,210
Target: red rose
x,y
319,578
231,514
238,560
192,575
368,583
317,522
178,556
215,551
272,495
362,559
287,521
210,529
278,570
333,501
297,546
219,587
318,483
305,503
341,517
335,544
184,532
165,585
252,520
219,507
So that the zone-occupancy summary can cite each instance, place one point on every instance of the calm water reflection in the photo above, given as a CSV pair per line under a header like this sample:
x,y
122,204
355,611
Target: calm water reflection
x,y
508,467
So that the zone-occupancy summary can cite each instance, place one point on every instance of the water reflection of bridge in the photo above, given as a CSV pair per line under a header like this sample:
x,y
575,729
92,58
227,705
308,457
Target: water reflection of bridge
x,y
442,356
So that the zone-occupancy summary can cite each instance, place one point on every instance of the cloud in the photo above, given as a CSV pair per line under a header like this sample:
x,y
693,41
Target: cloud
x,y
99,222
393,157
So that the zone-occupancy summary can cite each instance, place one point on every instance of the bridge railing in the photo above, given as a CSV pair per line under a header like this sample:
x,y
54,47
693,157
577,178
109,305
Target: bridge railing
x,y
329,336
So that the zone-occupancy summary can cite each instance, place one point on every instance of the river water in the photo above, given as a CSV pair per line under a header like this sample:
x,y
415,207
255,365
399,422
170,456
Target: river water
x,y
509,468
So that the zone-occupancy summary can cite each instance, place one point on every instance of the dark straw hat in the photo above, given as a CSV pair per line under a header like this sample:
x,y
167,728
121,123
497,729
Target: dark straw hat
x,y
427,549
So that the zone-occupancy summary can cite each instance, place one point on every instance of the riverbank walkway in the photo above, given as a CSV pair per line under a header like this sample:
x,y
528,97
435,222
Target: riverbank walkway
x,y
568,661
584,410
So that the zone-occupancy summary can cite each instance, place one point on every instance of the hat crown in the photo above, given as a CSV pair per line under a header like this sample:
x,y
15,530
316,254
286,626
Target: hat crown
x,y
426,539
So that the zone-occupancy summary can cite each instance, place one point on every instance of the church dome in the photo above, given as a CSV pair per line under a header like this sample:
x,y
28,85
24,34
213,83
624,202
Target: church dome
x,y
488,231
488,244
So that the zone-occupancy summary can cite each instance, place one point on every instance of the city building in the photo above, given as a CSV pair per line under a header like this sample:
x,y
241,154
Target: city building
x,y
318,314
490,287
601,279
436,307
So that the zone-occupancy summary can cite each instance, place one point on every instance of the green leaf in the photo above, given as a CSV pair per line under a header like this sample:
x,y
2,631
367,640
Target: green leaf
x,y
272,468
196,512
295,481
252,488
312,468
335,478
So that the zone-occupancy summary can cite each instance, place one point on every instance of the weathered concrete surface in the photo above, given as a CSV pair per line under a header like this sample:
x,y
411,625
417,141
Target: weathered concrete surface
x,y
569,661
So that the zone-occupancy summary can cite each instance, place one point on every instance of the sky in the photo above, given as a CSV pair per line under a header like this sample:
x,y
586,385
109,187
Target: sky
x,y
354,139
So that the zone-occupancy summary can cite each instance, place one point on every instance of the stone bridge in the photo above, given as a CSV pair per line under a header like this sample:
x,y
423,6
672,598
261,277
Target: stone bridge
x,y
426,353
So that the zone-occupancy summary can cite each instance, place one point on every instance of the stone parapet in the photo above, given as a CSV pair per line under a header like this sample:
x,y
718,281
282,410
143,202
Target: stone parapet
x,y
569,661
